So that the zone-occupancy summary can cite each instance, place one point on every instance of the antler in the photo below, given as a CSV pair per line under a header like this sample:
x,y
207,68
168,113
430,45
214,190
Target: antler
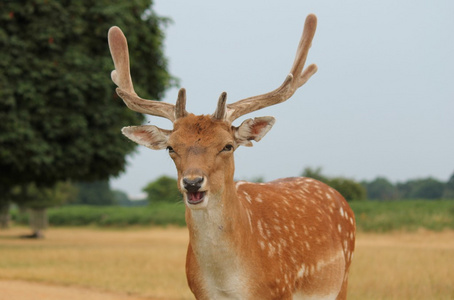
x,y
294,80
121,76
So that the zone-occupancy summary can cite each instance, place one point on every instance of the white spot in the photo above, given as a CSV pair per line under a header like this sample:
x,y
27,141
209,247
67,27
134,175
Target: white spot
x,y
260,228
292,224
320,265
306,232
268,233
248,212
272,250
341,211
301,271
262,245
248,198
339,227
258,199
351,220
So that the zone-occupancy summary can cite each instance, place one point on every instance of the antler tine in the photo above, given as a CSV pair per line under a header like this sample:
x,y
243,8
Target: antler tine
x,y
180,107
121,76
292,82
219,114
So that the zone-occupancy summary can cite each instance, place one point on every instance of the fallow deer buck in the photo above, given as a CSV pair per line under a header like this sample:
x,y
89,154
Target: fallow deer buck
x,y
291,238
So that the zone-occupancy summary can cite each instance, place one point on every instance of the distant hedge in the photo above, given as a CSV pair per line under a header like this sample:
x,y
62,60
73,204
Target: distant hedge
x,y
157,214
405,215
371,216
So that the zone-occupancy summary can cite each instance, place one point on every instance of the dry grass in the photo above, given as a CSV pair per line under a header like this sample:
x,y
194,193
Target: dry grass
x,y
403,266
150,262
146,262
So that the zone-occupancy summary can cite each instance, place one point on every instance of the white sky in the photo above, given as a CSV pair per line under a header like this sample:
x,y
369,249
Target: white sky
x,y
381,103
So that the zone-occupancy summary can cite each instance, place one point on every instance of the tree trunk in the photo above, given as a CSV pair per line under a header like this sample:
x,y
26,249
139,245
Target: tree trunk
x,y
4,215
38,222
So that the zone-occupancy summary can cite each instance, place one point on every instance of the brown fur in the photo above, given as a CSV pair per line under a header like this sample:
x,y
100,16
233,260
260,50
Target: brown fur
x,y
289,235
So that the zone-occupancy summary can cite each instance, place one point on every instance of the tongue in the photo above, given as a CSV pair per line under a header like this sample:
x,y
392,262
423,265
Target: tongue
x,y
196,197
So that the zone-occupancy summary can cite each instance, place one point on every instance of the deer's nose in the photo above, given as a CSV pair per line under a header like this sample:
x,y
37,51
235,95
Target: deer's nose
x,y
192,185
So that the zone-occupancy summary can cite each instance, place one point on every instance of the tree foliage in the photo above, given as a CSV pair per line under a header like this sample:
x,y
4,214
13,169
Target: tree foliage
x,y
315,174
380,189
39,197
425,188
94,193
448,192
61,118
348,188
163,189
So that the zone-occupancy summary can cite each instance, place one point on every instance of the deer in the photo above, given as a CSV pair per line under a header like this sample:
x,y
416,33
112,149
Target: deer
x,y
291,238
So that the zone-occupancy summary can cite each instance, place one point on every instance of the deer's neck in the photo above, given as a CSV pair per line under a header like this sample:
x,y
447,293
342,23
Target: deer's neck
x,y
216,240
220,221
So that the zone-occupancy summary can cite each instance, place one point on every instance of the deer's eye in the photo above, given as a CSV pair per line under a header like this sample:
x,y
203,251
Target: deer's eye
x,y
170,149
227,148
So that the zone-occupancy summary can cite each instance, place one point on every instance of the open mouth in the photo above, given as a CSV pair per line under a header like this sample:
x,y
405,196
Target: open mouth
x,y
196,197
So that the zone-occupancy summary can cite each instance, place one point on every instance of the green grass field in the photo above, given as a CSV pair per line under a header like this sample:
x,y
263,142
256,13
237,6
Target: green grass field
x,y
371,216
411,215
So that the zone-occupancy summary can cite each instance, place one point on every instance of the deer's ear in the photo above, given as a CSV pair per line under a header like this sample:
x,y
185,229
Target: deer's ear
x,y
253,130
148,135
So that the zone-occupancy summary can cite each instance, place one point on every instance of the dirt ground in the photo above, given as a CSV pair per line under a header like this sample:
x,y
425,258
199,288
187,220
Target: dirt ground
x,y
23,290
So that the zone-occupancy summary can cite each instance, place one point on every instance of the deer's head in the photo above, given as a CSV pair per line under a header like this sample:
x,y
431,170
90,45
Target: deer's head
x,y
202,146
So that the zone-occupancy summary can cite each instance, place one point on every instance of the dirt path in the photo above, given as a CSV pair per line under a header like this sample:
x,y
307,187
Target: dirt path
x,y
23,290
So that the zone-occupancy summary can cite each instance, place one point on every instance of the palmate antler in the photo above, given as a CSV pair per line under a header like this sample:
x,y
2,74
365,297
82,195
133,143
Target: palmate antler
x,y
121,76
294,80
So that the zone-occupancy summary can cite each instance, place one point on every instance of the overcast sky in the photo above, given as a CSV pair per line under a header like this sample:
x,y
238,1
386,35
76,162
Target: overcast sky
x,y
381,103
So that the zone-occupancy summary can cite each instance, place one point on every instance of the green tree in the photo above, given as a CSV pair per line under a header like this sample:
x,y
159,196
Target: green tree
x,y
94,193
121,198
6,195
38,198
380,189
315,174
163,189
426,188
61,118
348,188
448,192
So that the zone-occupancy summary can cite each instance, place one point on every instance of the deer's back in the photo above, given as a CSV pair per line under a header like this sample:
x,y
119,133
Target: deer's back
x,y
302,235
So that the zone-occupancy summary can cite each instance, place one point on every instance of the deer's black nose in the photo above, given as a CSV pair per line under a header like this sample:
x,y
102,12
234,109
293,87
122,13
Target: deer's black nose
x,y
192,185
